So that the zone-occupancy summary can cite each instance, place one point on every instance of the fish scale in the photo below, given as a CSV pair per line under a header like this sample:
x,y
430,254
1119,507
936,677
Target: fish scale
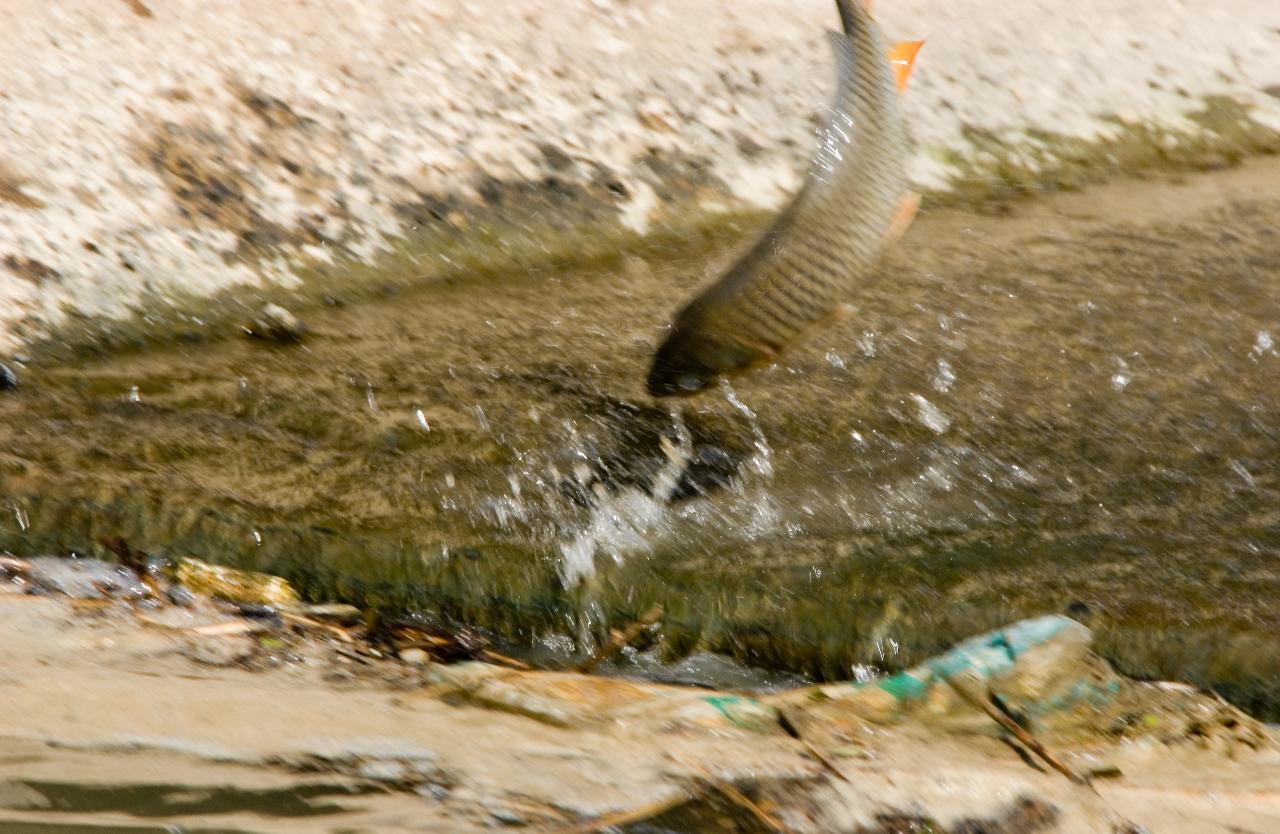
x,y
817,250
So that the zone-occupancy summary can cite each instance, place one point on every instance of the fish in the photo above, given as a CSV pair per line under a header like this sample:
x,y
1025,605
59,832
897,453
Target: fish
x,y
800,272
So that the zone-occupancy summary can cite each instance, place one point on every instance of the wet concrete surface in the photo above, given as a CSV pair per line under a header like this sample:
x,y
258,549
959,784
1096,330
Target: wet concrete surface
x,y
1066,402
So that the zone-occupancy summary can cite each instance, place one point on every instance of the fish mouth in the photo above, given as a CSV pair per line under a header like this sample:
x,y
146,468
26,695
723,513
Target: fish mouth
x,y
666,381
675,373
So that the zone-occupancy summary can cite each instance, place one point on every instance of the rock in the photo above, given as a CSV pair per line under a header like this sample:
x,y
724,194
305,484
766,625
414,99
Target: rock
x,y
83,578
415,657
178,595
276,324
503,814
242,586
8,378
392,772
333,612
219,651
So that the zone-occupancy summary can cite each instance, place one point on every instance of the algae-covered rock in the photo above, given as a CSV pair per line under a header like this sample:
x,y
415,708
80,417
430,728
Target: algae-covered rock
x,y
222,582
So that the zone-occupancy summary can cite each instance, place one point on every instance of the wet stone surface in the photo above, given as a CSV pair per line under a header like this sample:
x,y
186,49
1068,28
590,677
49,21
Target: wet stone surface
x,y
1072,404
77,578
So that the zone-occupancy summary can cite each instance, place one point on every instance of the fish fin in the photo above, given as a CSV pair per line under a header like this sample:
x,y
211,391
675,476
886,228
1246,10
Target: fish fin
x,y
902,217
902,55
765,355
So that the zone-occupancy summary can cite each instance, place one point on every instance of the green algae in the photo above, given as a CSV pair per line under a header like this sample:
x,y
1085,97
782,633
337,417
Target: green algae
x,y
993,166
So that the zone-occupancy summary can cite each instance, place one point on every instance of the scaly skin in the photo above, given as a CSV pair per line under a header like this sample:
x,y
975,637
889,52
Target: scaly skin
x,y
815,253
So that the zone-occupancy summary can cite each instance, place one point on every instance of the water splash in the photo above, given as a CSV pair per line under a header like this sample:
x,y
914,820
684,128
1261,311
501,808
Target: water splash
x,y
628,519
762,463
930,415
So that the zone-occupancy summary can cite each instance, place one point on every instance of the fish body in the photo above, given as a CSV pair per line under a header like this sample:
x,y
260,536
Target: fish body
x,y
806,264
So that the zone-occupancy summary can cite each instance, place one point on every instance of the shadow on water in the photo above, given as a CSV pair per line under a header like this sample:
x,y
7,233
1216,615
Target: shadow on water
x,y
179,800
1062,408
18,827
163,802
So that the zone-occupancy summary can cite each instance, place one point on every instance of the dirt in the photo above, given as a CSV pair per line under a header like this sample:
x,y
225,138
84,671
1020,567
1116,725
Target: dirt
x,y
1064,402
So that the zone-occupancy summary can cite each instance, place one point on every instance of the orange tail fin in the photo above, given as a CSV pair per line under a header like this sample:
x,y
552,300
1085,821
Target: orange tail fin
x,y
903,57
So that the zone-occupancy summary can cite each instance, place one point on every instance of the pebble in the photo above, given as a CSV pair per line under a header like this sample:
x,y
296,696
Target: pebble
x,y
505,815
333,612
415,657
219,651
178,595
83,578
384,771
276,324
8,378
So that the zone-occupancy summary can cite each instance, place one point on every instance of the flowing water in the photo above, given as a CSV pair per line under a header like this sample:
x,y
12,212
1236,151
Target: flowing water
x,y
1067,404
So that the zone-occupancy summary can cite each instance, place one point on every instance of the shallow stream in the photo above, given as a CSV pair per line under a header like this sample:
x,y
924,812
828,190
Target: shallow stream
x,y
1067,403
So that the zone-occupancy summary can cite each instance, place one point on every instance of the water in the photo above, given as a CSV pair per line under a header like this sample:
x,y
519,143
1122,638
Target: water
x,y
1072,406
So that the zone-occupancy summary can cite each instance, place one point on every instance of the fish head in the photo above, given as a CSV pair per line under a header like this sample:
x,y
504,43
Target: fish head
x,y
692,358
678,373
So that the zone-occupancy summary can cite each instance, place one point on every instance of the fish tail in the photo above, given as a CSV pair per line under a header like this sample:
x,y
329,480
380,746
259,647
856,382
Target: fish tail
x,y
902,55
848,16
903,58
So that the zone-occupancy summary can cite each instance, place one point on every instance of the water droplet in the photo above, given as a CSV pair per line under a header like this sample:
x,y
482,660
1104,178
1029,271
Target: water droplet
x,y
863,673
930,415
944,377
762,462
1238,468
1263,343
1121,378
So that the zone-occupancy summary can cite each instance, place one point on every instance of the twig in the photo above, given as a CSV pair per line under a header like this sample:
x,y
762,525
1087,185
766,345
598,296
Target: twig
x,y
503,660
353,655
307,622
739,798
985,704
219,629
225,629
12,564
621,639
792,730
631,815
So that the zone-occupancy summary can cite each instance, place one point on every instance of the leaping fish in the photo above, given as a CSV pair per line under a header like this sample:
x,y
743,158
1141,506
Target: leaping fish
x,y
804,267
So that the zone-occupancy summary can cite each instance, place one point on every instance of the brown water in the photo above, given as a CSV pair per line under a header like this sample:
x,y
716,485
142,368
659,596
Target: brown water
x,y
1068,403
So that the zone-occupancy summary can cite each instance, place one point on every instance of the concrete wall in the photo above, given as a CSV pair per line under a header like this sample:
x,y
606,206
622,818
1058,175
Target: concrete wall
x,y
160,149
